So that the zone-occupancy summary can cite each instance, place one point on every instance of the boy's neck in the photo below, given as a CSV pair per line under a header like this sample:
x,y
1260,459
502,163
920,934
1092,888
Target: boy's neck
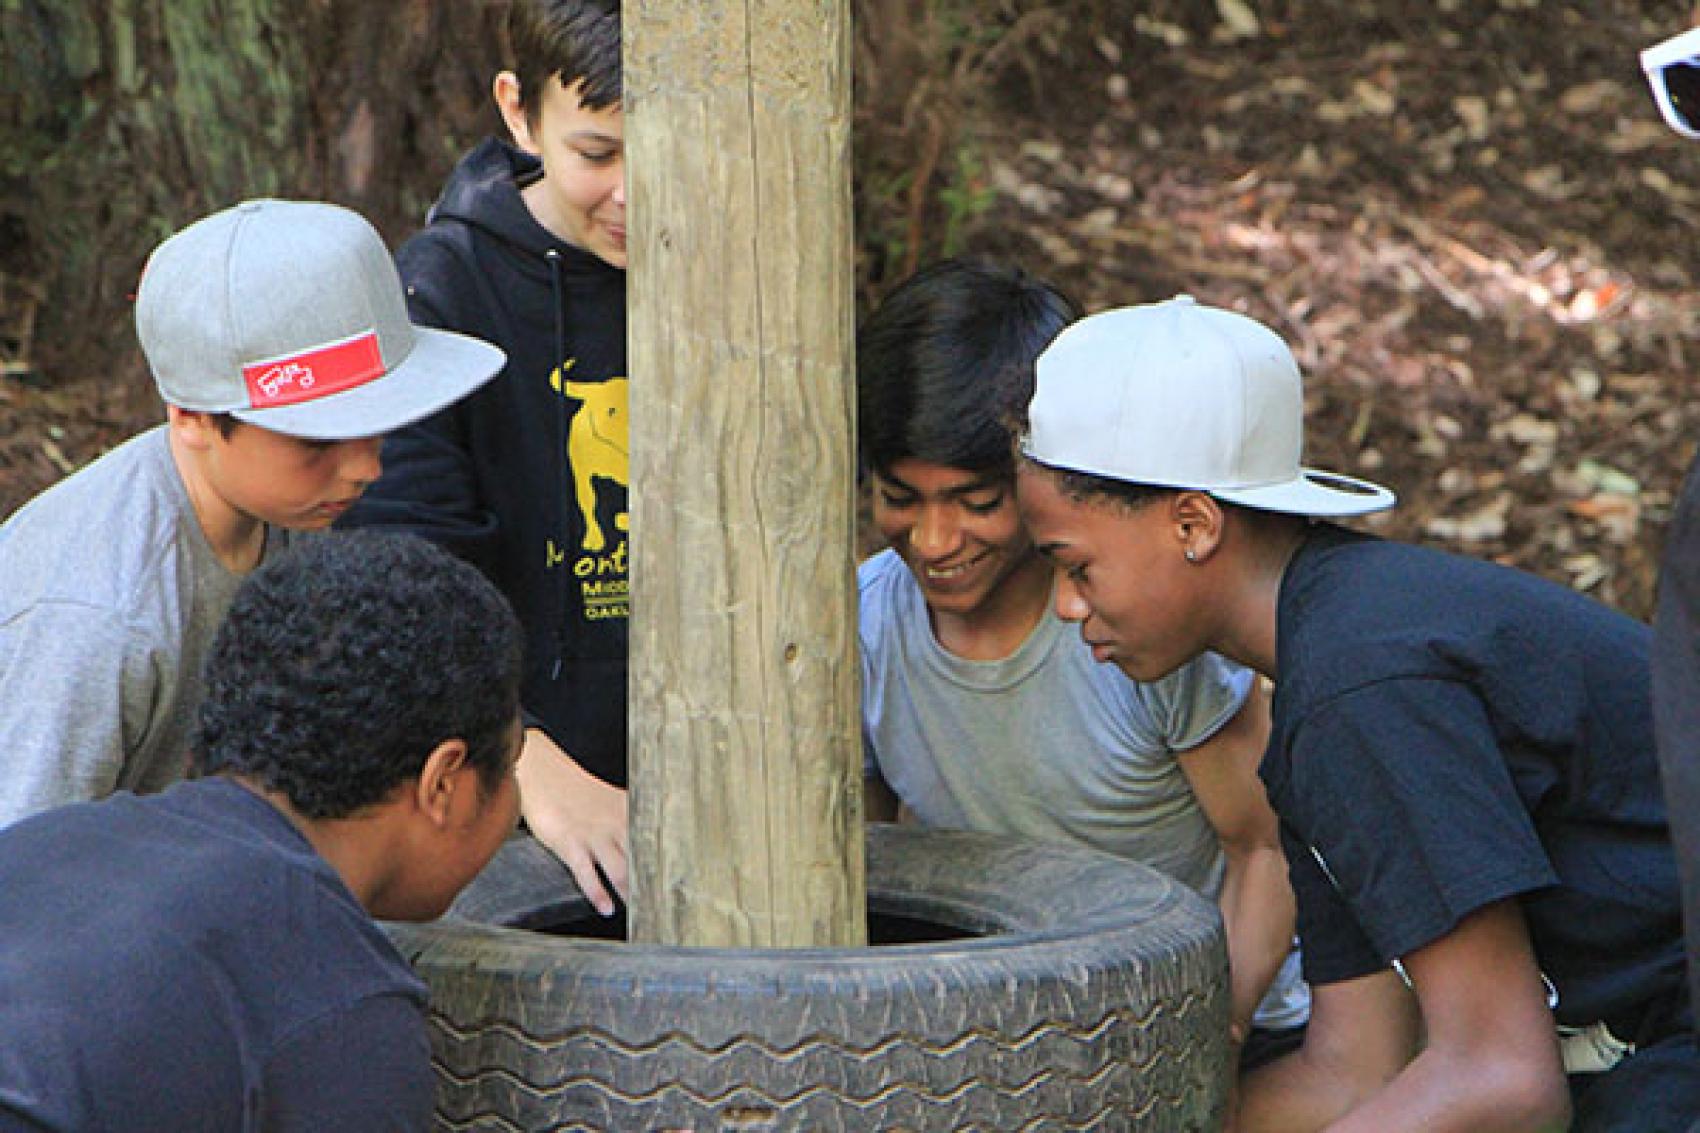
x,y
238,540
1263,548
537,200
995,629
352,847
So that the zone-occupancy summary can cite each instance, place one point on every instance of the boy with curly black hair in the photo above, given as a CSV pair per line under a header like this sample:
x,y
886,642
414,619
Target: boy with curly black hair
x,y
526,248
356,750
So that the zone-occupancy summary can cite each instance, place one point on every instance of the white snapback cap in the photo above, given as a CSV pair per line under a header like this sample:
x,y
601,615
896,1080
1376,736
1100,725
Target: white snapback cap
x,y
1181,395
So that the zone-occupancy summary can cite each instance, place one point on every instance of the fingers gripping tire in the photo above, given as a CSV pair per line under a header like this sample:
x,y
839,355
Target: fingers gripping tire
x,y
1093,996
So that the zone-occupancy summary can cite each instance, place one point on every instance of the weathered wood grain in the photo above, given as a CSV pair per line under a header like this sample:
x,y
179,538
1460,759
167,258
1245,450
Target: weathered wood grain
x,y
745,752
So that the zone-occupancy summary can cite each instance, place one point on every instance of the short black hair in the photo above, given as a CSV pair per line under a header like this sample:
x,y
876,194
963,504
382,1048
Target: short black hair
x,y
944,363
345,661
225,423
1089,487
577,40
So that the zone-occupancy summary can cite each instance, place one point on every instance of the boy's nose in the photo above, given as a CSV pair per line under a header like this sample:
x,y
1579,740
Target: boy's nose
x,y
934,533
362,460
1071,607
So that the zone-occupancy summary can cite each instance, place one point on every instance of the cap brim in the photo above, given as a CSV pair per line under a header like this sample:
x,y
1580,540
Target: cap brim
x,y
1322,494
442,368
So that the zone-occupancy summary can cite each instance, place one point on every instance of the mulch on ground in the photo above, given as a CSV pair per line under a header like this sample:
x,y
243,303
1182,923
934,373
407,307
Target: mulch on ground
x,y
1465,216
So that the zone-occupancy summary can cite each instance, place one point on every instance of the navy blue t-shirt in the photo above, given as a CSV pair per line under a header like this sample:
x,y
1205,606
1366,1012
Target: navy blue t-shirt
x,y
186,961
1676,699
1449,733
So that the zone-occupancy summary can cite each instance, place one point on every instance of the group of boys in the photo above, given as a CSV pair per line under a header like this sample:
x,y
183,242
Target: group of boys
x,y
188,941
1448,811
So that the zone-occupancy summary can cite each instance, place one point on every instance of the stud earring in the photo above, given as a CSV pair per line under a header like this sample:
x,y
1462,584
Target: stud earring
x,y
1191,555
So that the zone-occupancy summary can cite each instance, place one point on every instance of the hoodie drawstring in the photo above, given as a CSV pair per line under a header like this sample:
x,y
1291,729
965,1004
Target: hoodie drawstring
x,y
563,471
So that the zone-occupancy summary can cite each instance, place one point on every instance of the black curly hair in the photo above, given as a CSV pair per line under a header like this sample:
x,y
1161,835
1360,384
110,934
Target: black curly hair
x,y
343,663
1089,487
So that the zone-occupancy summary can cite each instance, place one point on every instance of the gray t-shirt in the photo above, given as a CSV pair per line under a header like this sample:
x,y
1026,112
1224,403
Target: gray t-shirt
x,y
109,598
1046,743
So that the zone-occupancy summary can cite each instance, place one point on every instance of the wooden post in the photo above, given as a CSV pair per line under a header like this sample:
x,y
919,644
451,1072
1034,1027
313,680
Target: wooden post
x,y
745,743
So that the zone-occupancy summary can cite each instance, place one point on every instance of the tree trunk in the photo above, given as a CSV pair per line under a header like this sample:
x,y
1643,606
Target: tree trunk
x,y
123,120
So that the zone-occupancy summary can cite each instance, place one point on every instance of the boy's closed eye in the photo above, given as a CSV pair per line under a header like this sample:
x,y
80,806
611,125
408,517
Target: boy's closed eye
x,y
1074,572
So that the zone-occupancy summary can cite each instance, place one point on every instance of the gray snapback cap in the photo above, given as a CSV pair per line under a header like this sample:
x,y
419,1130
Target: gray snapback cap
x,y
290,315
1181,395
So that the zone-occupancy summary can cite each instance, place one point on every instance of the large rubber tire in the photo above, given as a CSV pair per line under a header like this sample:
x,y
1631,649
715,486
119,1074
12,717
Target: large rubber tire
x,y
1097,999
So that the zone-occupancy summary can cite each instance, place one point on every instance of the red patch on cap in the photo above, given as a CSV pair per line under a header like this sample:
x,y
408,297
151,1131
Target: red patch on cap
x,y
314,373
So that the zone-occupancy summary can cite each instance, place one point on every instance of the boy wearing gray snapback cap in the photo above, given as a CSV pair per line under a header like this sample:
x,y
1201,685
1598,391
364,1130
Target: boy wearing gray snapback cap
x,y
1461,754
278,337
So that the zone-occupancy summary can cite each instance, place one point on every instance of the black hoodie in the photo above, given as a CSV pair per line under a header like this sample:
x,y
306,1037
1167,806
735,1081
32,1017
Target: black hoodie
x,y
527,479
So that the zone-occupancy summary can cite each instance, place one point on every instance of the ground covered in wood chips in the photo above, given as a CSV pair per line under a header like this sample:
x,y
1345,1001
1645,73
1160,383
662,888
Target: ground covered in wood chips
x,y
1465,215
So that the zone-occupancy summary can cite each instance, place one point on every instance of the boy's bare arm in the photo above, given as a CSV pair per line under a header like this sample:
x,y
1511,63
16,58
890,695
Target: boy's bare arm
x,y
1489,1058
1257,899
580,818
1362,1032
879,802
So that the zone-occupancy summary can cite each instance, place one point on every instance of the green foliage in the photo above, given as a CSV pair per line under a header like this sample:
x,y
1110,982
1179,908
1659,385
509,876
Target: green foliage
x,y
965,198
46,57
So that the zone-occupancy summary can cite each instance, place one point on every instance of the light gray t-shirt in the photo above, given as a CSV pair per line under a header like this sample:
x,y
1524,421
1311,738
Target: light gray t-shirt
x,y
1046,743
109,599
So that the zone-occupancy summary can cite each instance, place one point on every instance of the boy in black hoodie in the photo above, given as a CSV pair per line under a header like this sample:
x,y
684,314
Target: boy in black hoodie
x,y
527,479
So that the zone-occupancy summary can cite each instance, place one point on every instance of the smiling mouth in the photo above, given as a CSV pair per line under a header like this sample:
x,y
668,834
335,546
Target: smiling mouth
x,y
945,574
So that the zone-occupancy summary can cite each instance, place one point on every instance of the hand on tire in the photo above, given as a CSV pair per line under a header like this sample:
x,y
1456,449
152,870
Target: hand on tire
x,y
580,818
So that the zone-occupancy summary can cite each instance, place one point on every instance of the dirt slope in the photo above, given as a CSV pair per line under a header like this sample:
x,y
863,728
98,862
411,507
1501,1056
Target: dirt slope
x,y
1464,214
1467,217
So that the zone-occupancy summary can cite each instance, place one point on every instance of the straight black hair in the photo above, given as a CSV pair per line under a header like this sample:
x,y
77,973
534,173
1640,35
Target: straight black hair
x,y
945,364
